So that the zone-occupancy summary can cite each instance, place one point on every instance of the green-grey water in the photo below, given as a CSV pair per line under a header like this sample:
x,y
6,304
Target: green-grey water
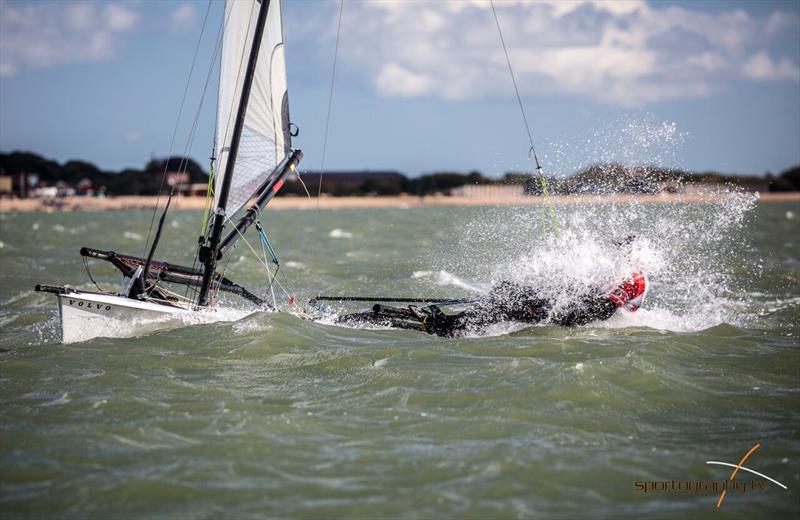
x,y
275,416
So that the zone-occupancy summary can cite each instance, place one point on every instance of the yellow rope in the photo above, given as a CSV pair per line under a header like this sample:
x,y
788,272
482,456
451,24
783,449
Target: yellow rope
x,y
550,209
209,195
532,152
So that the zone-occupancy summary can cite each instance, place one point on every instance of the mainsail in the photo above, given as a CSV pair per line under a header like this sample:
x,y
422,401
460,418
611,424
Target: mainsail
x,y
265,137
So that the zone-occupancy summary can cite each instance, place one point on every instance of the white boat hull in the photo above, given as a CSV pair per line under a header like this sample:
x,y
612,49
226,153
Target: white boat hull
x,y
87,315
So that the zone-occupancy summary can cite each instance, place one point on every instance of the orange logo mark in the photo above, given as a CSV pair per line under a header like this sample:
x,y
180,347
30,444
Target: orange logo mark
x,y
736,470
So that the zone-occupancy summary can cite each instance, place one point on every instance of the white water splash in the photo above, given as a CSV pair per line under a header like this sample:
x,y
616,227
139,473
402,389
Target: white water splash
x,y
340,233
690,251
447,279
629,139
245,326
132,236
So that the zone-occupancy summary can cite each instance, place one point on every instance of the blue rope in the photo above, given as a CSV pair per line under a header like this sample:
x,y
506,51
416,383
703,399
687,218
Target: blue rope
x,y
265,245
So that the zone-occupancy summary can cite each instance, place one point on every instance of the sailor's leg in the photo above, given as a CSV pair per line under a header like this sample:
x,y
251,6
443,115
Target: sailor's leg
x,y
386,316
361,317
408,322
441,324
587,311
407,325
431,320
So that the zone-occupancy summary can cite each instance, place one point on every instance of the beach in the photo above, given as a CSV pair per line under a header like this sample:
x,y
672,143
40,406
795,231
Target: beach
x,y
401,201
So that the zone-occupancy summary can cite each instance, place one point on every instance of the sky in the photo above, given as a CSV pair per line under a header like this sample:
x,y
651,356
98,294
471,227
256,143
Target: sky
x,y
420,86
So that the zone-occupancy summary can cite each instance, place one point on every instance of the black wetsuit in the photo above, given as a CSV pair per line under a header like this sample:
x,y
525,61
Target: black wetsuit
x,y
506,302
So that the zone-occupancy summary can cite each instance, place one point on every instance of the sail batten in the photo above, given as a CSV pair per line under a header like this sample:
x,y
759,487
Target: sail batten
x,y
265,138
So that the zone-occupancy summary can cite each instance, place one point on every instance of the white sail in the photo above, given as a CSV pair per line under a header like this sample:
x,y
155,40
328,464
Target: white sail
x,y
265,136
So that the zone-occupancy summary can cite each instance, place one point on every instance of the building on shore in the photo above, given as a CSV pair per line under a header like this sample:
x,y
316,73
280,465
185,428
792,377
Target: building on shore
x,y
16,184
6,185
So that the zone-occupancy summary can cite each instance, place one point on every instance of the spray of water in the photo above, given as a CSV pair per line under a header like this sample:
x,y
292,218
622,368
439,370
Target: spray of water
x,y
690,250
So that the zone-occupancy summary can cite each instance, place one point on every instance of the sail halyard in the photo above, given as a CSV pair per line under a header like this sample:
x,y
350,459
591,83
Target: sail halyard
x,y
209,252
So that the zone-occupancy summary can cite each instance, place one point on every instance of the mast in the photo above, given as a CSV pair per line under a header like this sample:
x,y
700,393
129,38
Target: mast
x,y
209,253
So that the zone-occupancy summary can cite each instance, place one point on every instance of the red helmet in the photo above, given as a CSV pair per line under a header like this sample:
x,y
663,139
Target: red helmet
x,y
630,293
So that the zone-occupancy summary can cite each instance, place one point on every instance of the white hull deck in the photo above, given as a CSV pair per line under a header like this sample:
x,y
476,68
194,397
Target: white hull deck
x,y
87,315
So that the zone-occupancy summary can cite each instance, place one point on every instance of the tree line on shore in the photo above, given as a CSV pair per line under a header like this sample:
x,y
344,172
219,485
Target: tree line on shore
x,y
598,178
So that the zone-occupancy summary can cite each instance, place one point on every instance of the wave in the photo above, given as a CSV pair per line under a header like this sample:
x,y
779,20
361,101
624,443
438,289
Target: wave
x,y
133,236
446,279
340,233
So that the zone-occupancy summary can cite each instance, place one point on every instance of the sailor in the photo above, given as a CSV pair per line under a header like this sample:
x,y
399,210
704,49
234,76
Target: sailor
x,y
509,301
513,302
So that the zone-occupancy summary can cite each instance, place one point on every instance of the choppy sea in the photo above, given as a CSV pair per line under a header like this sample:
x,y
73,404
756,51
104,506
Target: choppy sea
x,y
270,415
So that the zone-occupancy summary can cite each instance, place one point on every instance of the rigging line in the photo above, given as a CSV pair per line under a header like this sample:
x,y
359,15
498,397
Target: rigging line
x,y
86,266
205,222
177,123
204,225
330,103
209,193
220,37
217,49
262,235
303,184
230,114
212,287
184,162
193,132
280,285
532,151
266,266
266,246
514,81
221,276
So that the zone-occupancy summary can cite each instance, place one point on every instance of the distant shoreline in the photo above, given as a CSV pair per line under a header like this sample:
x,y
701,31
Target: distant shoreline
x,y
408,201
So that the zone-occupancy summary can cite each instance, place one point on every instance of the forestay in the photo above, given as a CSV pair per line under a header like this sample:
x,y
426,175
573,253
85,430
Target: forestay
x,y
265,136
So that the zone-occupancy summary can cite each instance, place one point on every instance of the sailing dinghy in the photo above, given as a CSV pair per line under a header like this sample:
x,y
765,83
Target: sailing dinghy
x,y
252,158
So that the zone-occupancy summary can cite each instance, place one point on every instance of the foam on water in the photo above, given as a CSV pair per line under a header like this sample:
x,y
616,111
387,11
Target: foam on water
x,y
340,233
133,236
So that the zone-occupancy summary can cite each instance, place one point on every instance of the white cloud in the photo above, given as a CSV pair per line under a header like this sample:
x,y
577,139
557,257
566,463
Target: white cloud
x,y
56,33
184,15
761,67
395,80
627,53
710,61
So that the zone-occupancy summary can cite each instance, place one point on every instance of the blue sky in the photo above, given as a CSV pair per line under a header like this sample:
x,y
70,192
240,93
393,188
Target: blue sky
x,y
422,86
